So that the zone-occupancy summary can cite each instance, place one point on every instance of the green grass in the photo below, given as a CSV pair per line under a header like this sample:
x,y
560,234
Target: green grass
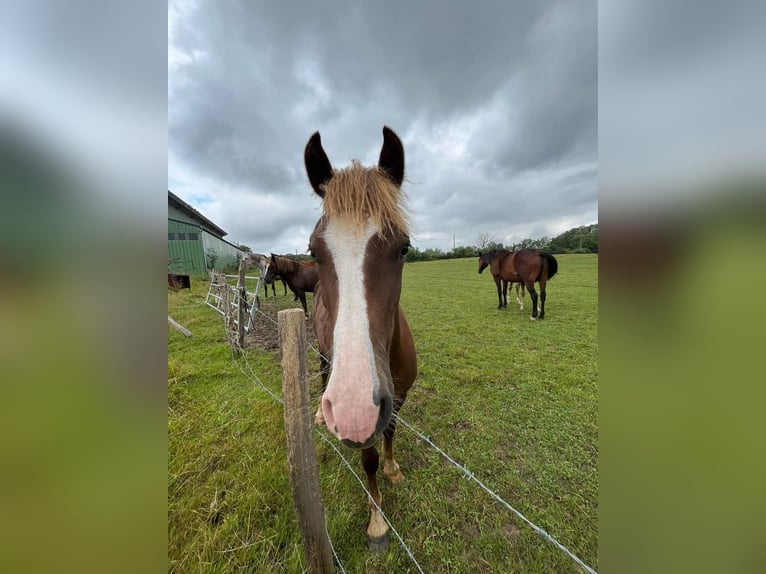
x,y
514,400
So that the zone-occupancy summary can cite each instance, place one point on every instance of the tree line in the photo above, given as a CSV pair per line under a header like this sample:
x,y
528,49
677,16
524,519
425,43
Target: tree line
x,y
576,240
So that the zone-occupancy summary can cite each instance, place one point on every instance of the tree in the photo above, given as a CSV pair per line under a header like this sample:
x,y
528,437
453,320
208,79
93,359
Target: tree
x,y
484,240
493,246
576,240
461,252
245,248
211,257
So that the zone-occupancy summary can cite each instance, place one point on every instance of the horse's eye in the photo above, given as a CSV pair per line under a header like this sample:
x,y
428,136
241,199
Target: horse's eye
x,y
405,250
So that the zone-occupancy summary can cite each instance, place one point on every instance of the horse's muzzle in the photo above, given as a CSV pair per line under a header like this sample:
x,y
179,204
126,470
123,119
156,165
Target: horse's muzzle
x,y
384,418
361,445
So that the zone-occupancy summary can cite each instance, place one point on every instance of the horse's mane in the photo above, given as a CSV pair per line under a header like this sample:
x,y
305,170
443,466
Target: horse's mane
x,y
282,264
360,193
494,254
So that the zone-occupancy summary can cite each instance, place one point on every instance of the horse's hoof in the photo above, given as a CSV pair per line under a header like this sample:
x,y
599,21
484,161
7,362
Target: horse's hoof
x,y
395,478
533,318
377,544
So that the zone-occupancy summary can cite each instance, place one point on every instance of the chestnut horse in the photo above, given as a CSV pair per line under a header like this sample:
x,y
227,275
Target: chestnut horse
x,y
301,278
527,266
359,244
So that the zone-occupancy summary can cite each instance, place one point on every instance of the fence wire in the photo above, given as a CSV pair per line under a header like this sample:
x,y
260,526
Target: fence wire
x,y
467,473
375,504
281,401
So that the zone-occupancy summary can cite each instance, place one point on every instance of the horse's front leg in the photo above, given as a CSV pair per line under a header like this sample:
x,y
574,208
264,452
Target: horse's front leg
x,y
377,529
390,466
505,293
499,294
302,296
324,370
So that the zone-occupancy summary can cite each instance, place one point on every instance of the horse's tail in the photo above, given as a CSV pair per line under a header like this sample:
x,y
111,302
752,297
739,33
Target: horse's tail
x,y
553,265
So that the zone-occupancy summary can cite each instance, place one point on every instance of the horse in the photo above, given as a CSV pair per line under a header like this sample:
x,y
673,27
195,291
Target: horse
x,y
367,352
301,278
262,262
527,266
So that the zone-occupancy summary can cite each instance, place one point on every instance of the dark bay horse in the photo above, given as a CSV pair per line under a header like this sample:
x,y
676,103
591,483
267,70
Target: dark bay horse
x,y
359,244
301,278
262,262
527,266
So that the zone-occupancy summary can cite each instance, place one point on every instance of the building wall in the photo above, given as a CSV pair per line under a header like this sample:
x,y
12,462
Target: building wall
x,y
174,213
185,251
227,253
189,241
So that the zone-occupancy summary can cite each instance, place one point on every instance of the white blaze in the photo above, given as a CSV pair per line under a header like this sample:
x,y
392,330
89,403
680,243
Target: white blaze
x,y
354,378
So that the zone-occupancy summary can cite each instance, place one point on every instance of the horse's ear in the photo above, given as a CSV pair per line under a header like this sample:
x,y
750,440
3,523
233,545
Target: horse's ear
x,y
392,156
318,167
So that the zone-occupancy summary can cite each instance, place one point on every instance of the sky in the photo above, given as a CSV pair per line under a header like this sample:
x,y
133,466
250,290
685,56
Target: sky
x,y
497,110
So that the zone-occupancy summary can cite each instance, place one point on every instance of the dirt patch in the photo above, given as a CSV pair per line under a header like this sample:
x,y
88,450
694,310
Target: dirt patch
x,y
510,531
264,334
470,530
461,426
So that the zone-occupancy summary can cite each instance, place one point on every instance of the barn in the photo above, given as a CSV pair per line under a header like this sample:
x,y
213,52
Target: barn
x,y
196,244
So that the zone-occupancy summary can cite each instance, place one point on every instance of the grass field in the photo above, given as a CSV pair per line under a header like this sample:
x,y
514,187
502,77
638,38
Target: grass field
x,y
513,400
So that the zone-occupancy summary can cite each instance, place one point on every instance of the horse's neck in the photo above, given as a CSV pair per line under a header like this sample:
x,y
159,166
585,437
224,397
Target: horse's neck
x,y
496,263
502,259
287,267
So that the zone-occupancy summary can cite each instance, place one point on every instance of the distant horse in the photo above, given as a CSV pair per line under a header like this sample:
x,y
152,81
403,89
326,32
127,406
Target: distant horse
x,y
301,278
359,244
262,262
527,266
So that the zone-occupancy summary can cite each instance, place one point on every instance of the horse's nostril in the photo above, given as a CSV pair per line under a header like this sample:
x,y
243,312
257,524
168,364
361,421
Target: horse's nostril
x,y
327,413
384,417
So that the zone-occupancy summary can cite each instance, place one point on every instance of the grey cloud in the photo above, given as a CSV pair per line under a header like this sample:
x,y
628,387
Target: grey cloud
x,y
480,97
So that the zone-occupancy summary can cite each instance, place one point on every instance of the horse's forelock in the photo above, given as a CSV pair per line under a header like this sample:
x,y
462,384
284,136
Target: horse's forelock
x,y
360,194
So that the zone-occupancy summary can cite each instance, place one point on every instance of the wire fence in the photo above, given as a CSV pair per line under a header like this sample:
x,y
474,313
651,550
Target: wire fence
x,y
424,438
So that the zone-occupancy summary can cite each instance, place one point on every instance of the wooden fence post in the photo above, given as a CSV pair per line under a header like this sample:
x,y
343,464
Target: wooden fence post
x,y
176,325
301,456
241,304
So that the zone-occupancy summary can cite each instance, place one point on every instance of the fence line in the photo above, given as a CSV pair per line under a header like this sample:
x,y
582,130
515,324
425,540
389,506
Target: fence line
x,y
372,500
281,401
468,474
323,437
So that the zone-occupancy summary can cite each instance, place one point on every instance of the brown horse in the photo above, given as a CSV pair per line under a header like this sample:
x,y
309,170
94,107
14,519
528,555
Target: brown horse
x,y
527,266
359,244
301,278
262,262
